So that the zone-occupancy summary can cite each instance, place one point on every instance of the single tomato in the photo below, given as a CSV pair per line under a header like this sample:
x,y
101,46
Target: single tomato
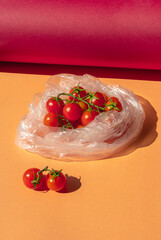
x,y
72,111
55,180
88,116
80,126
113,104
52,120
34,178
55,105
76,123
83,106
105,97
77,92
97,99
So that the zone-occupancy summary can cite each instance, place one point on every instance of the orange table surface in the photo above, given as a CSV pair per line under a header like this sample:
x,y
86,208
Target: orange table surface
x,y
116,199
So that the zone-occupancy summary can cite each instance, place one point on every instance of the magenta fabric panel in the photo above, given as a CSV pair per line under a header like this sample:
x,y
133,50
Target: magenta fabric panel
x,y
111,33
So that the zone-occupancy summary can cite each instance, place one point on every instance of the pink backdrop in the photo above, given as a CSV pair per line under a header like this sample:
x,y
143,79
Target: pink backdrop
x,y
113,33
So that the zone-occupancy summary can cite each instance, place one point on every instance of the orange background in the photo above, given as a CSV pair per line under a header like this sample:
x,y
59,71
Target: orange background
x,y
116,199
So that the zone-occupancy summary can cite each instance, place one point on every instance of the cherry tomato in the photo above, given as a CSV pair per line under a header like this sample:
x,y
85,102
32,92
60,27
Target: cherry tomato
x,y
77,92
88,116
55,106
51,120
72,111
105,97
76,123
97,99
80,126
30,176
114,104
83,106
55,180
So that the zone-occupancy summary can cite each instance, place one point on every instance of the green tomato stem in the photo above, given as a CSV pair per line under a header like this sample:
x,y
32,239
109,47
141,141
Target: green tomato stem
x,y
55,174
36,180
44,169
80,99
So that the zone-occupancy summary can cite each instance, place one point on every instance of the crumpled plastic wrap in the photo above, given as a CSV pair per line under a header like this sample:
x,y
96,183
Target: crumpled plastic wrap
x,y
109,133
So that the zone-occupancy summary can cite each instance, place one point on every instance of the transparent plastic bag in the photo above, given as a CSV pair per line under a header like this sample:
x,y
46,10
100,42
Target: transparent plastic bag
x,y
107,134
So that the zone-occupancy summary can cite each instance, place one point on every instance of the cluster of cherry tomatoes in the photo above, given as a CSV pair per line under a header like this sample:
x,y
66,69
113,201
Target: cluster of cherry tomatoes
x,y
34,178
79,108
76,111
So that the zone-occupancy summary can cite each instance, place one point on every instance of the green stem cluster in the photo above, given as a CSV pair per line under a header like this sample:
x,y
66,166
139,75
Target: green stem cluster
x,y
90,96
82,100
37,178
61,118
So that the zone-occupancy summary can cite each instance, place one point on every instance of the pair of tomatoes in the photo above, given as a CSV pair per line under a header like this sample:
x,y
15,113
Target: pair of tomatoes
x,y
81,108
35,179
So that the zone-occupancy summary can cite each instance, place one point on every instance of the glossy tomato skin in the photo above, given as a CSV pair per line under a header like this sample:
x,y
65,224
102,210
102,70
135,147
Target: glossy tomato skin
x,y
116,102
51,120
98,100
88,116
83,106
28,177
76,123
105,97
54,106
72,111
80,126
78,93
57,184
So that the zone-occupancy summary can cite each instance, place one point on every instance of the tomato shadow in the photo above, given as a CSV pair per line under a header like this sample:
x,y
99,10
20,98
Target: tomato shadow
x,y
72,184
148,134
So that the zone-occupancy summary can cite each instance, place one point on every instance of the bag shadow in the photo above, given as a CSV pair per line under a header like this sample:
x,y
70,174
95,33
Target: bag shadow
x,y
148,134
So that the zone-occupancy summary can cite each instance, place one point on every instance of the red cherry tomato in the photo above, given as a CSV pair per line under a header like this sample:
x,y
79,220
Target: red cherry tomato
x,y
51,120
97,99
77,92
31,175
72,111
113,104
88,116
55,180
76,123
55,106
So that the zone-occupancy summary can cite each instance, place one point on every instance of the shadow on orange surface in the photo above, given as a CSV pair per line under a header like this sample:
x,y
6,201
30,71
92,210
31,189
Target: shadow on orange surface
x,y
72,184
148,134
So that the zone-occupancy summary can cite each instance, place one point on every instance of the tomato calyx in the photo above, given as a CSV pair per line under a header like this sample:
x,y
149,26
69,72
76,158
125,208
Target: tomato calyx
x,y
57,99
55,173
36,180
91,96
78,89
112,105
64,122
